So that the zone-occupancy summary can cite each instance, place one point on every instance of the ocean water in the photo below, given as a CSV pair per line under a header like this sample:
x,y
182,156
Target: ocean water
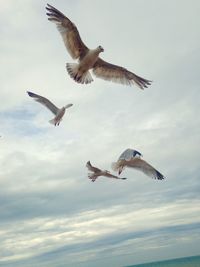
x,y
181,262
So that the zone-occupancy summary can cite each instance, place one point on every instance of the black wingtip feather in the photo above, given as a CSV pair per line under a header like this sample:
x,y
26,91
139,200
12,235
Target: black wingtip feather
x,y
159,175
30,93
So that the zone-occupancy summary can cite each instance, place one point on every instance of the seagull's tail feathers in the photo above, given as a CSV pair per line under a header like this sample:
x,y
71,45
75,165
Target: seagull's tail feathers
x,y
53,121
72,69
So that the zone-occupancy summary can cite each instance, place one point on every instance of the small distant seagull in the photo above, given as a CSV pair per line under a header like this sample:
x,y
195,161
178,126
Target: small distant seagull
x,y
132,159
56,111
89,58
97,172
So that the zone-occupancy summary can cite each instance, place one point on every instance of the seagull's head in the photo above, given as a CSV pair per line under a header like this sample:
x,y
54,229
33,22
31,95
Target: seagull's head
x,y
88,164
137,153
100,49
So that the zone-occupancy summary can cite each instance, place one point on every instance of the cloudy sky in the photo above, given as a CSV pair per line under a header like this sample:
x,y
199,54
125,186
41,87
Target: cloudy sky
x,y
50,213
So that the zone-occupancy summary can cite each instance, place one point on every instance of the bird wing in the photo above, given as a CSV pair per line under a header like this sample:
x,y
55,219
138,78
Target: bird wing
x,y
128,154
114,73
44,101
91,168
108,174
141,165
71,37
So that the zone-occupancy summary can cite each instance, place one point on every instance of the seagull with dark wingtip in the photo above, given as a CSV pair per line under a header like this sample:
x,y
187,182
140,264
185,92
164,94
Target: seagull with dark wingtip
x,y
132,159
89,58
58,112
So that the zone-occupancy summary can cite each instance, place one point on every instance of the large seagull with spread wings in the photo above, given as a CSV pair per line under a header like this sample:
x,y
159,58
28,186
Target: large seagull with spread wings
x,y
89,58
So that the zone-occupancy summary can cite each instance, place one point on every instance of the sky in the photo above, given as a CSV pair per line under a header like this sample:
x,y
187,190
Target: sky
x,y
50,213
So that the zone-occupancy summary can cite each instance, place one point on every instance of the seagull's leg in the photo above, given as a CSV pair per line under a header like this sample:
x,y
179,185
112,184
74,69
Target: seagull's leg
x,y
90,176
93,177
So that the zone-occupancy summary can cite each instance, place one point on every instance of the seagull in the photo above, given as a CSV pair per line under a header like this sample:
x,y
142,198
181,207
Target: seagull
x,y
47,103
89,58
97,172
132,158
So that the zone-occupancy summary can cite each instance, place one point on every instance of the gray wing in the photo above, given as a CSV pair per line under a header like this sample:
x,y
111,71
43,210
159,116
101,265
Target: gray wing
x,y
114,73
44,101
146,168
71,37
91,168
128,154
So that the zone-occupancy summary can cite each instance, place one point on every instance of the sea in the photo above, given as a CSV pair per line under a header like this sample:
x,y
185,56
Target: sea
x,y
180,262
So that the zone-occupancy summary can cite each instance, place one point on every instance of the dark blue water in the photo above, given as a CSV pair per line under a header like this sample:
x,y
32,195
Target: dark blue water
x,y
182,262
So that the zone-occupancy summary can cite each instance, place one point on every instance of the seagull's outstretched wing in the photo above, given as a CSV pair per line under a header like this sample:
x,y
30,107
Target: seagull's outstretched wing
x,y
71,37
44,101
114,73
141,165
108,174
129,153
91,168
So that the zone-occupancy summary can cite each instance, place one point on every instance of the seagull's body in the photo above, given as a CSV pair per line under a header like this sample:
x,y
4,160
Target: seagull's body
x,y
96,172
89,58
59,113
132,159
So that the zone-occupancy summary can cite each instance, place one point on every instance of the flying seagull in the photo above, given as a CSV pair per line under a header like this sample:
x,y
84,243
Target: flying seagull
x,y
47,103
97,172
89,58
132,159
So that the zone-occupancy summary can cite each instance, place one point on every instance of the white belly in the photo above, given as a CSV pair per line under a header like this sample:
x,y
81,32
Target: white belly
x,y
88,61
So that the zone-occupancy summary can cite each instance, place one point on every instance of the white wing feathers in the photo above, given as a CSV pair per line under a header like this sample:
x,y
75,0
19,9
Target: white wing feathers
x,y
45,102
141,165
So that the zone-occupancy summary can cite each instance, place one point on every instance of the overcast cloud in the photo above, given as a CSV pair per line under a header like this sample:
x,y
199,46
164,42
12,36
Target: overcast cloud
x,y
50,213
